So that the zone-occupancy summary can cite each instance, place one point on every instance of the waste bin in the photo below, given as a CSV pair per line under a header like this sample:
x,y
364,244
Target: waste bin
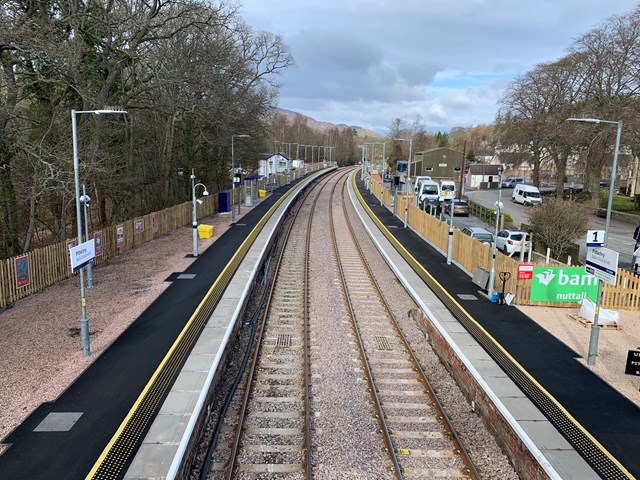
x,y
205,231
223,202
262,193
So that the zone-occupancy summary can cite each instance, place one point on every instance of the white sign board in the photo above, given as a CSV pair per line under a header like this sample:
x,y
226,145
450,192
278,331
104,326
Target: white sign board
x,y
82,254
602,263
595,238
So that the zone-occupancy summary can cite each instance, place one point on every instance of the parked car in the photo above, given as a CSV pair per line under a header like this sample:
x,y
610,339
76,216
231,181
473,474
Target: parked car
x,y
479,233
511,182
460,207
427,203
509,241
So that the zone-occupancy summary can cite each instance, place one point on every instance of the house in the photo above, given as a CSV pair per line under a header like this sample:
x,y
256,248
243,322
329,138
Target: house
x,y
438,163
274,164
482,174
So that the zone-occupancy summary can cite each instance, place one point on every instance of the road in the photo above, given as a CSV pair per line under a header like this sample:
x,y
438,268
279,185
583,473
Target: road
x,y
620,233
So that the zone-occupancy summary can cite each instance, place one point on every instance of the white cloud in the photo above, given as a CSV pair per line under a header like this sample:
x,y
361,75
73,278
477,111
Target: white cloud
x,y
366,62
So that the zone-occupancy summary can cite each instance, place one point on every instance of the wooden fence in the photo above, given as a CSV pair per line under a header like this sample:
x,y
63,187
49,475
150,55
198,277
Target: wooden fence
x,y
51,264
471,254
42,267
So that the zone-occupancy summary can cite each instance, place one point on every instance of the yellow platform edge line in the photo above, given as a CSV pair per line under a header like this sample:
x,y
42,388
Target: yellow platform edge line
x,y
173,347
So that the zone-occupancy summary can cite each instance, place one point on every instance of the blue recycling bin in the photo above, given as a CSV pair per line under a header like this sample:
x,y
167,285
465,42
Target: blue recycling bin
x,y
224,205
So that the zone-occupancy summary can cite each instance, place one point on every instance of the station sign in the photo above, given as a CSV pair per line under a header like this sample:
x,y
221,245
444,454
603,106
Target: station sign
x,y
602,263
82,254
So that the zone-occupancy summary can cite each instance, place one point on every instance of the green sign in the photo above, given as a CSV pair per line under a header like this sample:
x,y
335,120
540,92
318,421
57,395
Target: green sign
x,y
562,284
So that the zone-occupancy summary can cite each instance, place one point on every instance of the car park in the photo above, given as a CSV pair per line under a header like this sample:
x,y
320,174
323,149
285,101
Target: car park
x,y
460,207
509,241
479,233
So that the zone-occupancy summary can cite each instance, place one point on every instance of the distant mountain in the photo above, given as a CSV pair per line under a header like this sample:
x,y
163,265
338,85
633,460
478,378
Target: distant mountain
x,y
325,126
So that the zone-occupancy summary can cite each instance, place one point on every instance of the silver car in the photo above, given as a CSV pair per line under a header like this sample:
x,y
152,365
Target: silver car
x,y
479,233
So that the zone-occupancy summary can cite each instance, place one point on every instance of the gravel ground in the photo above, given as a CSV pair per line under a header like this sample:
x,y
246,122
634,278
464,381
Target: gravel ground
x,y
344,425
39,355
481,445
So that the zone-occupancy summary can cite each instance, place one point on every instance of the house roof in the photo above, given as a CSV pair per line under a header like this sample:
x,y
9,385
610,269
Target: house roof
x,y
269,156
438,148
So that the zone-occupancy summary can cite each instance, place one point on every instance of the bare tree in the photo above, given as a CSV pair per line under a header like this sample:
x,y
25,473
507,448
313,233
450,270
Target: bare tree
x,y
557,223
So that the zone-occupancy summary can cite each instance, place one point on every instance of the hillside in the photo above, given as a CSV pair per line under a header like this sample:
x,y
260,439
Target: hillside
x,y
326,126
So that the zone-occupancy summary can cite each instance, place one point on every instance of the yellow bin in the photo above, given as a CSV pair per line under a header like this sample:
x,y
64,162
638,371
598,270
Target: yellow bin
x,y
262,193
205,231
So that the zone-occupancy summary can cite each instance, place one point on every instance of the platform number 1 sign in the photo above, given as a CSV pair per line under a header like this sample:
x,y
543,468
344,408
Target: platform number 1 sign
x,y
595,238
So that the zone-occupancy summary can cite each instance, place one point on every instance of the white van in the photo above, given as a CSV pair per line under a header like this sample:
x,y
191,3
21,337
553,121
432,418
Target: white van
x,y
527,195
418,180
429,190
447,189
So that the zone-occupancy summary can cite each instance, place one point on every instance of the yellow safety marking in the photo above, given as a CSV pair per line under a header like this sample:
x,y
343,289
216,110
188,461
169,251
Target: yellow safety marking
x,y
416,265
175,345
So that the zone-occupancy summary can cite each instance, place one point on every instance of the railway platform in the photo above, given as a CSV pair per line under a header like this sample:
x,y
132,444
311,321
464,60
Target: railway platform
x,y
68,438
552,391
72,437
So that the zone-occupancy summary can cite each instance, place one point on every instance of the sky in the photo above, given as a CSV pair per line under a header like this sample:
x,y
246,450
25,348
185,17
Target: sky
x,y
366,62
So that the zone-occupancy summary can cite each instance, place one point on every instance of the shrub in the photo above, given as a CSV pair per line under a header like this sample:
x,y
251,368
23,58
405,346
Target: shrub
x,y
557,223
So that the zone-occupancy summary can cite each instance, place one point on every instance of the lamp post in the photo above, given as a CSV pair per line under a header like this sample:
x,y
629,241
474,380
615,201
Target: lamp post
x,y
450,241
195,218
498,204
408,180
595,329
233,172
381,169
85,199
84,321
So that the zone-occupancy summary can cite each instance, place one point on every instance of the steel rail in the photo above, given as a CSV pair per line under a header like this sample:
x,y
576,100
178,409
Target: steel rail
x,y
603,462
374,394
470,465
230,467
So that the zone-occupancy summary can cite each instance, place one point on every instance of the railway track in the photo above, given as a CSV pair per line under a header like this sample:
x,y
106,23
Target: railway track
x,y
269,430
418,436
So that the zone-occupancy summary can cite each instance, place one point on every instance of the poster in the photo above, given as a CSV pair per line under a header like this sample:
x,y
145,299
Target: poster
x,y
97,236
23,272
138,225
562,284
154,222
120,235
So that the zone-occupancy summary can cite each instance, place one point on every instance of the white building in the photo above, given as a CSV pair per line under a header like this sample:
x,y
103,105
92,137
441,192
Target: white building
x,y
274,164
